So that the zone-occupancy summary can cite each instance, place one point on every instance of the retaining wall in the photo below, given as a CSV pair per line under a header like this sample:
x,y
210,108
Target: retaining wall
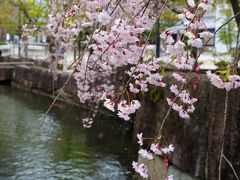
x,y
198,139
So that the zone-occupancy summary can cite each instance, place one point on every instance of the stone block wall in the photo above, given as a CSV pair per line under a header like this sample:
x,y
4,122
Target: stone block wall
x,y
43,81
197,140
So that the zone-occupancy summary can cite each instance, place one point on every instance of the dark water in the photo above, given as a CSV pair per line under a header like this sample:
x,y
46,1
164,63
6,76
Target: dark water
x,y
61,149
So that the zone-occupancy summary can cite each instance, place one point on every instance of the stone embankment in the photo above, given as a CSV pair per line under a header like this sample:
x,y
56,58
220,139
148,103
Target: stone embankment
x,y
197,140
44,81
35,76
6,68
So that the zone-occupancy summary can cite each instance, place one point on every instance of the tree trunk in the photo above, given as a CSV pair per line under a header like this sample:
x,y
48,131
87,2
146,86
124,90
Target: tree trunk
x,y
236,10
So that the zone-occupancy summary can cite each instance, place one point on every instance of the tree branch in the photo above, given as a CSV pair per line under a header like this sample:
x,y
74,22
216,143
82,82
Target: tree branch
x,y
223,133
236,10
230,164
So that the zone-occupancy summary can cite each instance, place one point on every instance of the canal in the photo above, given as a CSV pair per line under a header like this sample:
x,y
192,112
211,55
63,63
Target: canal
x,y
62,148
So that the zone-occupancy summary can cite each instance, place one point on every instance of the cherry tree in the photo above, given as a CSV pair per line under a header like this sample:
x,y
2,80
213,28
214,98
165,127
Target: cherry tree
x,y
117,49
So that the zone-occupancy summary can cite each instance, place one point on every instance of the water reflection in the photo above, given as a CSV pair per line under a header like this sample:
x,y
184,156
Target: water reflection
x,y
61,149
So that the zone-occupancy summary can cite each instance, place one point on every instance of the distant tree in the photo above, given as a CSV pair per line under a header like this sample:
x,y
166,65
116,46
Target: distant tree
x,y
15,13
228,34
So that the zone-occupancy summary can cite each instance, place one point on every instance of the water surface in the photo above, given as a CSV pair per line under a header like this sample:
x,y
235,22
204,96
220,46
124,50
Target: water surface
x,y
61,149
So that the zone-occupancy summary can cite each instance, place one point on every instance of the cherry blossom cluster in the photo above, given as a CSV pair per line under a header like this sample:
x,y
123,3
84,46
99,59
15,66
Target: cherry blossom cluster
x,y
125,109
62,23
69,18
141,169
181,57
187,102
233,81
117,46
145,73
155,149
89,83
192,19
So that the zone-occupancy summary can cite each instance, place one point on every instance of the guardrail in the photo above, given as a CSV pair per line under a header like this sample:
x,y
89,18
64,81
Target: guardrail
x,y
33,51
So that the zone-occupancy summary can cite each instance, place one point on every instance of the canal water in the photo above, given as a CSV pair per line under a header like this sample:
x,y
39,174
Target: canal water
x,y
62,148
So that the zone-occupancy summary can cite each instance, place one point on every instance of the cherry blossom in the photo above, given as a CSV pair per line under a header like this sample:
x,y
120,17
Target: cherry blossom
x,y
140,139
104,18
191,3
206,35
170,177
197,42
109,104
232,83
205,5
168,149
174,89
215,80
125,109
179,78
145,154
141,169
155,149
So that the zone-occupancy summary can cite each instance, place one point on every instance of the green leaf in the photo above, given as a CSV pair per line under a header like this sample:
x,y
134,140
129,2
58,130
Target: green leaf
x,y
222,72
228,71
225,73
155,95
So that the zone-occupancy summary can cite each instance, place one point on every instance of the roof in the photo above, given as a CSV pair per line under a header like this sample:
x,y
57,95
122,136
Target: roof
x,y
209,20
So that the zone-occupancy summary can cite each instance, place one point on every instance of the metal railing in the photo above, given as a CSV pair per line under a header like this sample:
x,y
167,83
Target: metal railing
x,y
32,51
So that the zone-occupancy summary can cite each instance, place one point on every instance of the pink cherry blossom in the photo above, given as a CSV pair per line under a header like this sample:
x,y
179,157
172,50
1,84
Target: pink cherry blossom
x,y
179,78
191,3
154,148
104,18
140,139
141,169
206,35
174,89
109,104
168,149
195,42
179,45
170,177
190,35
145,154
205,6
215,80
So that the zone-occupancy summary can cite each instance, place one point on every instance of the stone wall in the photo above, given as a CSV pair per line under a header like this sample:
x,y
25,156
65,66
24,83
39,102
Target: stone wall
x,y
6,73
43,81
197,140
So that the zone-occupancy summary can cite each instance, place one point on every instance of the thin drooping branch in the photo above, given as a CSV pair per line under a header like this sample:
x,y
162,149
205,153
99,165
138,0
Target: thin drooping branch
x,y
222,138
230,164
224,24
56,98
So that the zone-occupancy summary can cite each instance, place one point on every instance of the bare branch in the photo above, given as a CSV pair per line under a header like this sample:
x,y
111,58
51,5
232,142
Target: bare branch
x,y
222,138
230,164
